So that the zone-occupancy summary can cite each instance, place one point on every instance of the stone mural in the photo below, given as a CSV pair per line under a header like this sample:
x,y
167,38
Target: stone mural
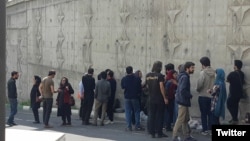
x,y
72,35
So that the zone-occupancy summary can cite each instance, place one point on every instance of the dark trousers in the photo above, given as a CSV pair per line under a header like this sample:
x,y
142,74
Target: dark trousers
x,y
87,108
169,113
155,117
68,117
36,113
205,109
47,107
215,120
110,109
233,106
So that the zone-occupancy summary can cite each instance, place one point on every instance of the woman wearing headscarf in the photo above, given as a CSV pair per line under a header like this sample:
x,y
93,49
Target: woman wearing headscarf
x,y
63,101
219,97
34,98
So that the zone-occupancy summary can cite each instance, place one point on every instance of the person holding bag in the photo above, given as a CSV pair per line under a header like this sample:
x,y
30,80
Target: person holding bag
x,y
35,102
65,91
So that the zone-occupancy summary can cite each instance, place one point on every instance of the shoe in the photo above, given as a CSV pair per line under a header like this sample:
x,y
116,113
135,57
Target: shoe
x,y
36,122
107,122
139,128
204,133
13,124
128,129
162,135
190,139
68,124
63,124
48,126
10,124
102,124
153,135
176,139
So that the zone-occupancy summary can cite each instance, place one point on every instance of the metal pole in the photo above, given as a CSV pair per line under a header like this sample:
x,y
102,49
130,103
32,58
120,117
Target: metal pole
x,y
2,68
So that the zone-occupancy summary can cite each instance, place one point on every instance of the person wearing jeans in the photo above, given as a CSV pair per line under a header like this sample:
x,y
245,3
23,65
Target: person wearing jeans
x,y
12,96
132,87
205,82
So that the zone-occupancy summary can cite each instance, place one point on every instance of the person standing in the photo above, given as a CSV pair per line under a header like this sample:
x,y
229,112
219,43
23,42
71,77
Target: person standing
x,y
46,89
219,96
183,98
102,94
157,100
132,86
35,101
170,86
81,96
236,82
110,107
205,82
88,82
12,96
63,101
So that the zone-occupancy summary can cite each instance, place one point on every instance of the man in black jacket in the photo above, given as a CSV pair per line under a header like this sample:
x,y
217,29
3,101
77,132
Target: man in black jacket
x,y
12,95
88,82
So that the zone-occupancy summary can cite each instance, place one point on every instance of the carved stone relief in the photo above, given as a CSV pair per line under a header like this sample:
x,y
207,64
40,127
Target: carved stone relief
x,y
87,49
59,53
122,43
238,45
38,49
170,41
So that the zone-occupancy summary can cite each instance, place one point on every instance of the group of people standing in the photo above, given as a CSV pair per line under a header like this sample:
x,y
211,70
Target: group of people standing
x,y
168,102
170,97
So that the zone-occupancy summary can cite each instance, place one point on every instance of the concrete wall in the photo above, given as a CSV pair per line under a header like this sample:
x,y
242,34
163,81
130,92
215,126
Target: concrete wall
x,y
71,35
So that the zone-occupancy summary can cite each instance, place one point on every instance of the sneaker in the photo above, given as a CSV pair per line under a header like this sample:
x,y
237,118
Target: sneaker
x,y
176,139
190,139
204,133
139,128
112,122
128,129
107,122
68,124
10,124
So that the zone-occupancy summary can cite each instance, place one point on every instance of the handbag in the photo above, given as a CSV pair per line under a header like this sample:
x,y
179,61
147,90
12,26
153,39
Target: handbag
x,y
247,118
72,101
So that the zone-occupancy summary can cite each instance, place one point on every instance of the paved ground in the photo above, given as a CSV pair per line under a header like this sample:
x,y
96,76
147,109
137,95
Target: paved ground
x,y
79,132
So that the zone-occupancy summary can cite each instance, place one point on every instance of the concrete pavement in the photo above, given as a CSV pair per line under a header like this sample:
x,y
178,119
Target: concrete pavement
x,y
79,132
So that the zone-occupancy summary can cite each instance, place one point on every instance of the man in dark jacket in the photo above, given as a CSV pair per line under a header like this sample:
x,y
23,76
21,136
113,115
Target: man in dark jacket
x,y
236,81
12,96
131,85
88,82
183,97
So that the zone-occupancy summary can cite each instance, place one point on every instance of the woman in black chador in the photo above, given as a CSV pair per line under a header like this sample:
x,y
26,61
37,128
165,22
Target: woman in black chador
x,y
63,101
34,98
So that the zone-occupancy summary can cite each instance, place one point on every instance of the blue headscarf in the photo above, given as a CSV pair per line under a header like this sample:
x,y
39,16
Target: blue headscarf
x,y
220,106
